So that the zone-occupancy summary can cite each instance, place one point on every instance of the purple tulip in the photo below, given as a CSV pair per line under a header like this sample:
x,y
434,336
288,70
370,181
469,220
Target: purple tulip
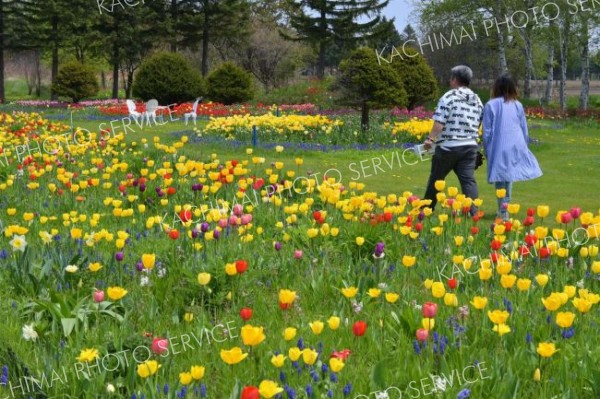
x,y
277,246
216,234
204,227
139,266
119,256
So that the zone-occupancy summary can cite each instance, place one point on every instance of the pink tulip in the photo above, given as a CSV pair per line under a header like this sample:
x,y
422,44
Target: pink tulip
x,y
422,334
159,345
222,223
566,218
575,212
238,210
298,254
247,218
98,296
233,220
429,309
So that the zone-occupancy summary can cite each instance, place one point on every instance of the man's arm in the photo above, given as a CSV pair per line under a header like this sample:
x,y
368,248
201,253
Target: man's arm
x,y
435,132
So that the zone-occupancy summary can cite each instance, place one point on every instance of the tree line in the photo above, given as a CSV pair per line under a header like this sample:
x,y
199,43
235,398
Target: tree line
x,y
270,38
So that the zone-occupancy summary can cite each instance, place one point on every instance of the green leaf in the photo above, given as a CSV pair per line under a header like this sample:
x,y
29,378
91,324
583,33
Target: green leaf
x,y
378,375
68,324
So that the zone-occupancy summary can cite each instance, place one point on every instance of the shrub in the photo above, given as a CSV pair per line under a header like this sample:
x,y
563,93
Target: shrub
x,y
365,84
230,84
417,77
169,78
76,81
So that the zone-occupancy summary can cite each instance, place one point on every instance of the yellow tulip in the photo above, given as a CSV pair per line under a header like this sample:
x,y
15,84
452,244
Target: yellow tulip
x,y
508,280
349,292
450,299
479,302
374,292
197,372
148,260
233,356
523,284
428,323
147,368
546,349
440,185
185,378
583,305
537,375
278,360
252,336
289,333
269,389
336,365
543,210
334,322
360,241
116,293
392,297
501,329
498,316
542,279
294,354
316,327
309,356
565,319
552,302
204,278
408,261
438,290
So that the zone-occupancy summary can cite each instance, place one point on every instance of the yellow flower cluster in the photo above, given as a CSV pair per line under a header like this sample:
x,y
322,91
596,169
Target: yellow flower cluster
x,y
269,122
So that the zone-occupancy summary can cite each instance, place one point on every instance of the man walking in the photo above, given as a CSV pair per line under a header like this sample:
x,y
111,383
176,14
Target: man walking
x,y
457,119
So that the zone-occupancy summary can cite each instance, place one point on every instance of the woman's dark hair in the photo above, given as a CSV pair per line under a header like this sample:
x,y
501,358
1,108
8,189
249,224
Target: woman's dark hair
x,y
505,87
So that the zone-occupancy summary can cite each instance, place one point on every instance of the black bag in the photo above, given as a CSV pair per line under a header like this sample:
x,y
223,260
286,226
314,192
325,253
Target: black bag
x,y
479,160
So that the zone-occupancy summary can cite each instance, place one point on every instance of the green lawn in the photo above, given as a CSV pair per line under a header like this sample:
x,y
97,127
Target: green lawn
x,y
568,153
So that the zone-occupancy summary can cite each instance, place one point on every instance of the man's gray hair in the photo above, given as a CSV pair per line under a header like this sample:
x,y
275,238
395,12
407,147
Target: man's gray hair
x,y
463,74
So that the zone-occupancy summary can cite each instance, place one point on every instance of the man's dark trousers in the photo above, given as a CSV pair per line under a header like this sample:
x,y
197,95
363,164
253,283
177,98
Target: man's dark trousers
x,y
461,160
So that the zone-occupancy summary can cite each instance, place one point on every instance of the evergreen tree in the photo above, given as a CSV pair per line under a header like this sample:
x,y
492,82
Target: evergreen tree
x,y
321,23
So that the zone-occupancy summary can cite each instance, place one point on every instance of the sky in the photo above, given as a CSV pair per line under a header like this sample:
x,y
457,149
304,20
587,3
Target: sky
x,y
399,9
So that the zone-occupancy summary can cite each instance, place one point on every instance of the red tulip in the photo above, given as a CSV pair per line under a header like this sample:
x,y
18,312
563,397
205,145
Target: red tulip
x,y
475,218
246,314
241,266
422,334
317,215
343,354
359,328
159,345
474,230
174,234
495,245
494,257
98,296
429,309
170,190
530,211
566,218
419,227
452,283
250,392
530,239
524,250
544,252
185,215
528,221
508,226
575,212
387,216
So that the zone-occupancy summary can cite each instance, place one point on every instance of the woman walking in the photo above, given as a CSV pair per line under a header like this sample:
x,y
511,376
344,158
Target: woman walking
x,y
505,139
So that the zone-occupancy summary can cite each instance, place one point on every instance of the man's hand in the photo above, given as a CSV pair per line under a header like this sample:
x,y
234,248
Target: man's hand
x,y
428,143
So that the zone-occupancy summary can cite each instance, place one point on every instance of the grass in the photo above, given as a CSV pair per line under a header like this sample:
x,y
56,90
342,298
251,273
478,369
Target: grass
x,y
568,153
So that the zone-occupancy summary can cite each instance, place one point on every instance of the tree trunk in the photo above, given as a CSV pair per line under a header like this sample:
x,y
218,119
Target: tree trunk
x,y
129,83
501,45
2,97
322,46
38,73
585,65
103,79
549,69
174,26
115,62
528,63
364,119
564,48
55,45
205,30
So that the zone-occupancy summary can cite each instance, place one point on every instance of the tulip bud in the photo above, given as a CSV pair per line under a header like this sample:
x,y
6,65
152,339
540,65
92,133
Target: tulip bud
x,y
98,296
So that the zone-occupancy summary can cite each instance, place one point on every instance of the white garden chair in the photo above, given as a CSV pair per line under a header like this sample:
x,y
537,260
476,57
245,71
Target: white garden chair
x,y
194,113
151,107
132,111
